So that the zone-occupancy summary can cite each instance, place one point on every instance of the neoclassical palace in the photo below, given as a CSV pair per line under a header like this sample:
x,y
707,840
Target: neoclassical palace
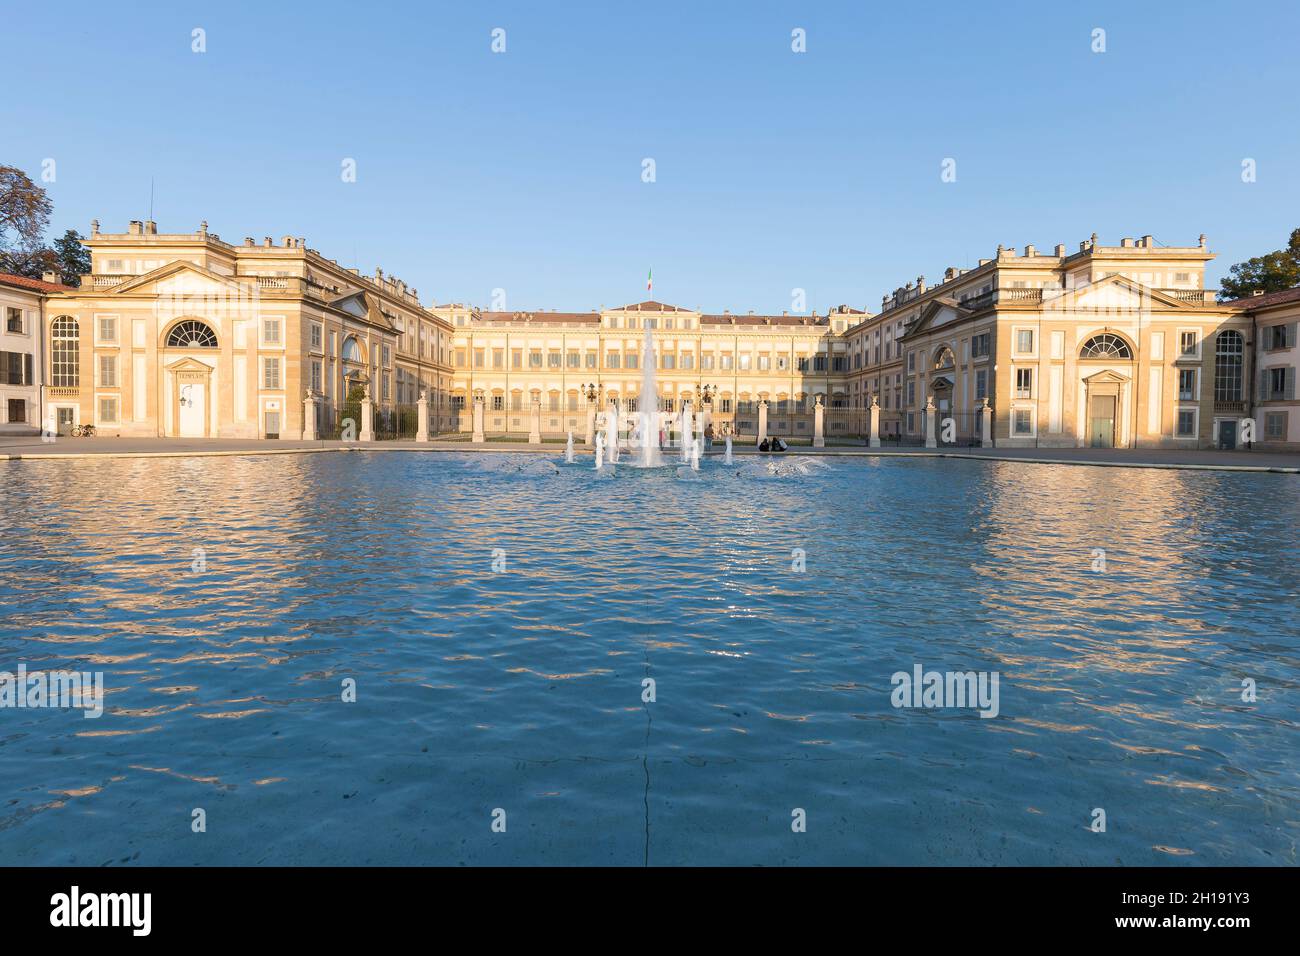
x,y
188,335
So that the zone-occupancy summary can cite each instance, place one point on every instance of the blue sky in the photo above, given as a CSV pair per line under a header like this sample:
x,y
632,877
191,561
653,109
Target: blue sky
x,y
774,170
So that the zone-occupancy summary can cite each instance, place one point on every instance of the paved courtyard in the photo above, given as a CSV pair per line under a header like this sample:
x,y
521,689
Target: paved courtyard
x,y
14,448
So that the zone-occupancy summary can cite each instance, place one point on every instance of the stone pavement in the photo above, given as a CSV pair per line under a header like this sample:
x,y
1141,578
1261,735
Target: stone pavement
x,y
16,448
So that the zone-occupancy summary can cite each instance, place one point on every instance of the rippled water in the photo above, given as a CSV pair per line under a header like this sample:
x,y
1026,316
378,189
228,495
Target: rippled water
x,y
521,688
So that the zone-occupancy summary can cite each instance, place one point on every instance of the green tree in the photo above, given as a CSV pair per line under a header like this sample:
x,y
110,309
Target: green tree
x,y
74,258
1271,272
24,217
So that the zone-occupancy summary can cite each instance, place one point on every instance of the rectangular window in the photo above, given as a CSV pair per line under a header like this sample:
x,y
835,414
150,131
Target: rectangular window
x,y
688,361
534,359
632,360
1188,344
1186,423
498,403
1275,426
1024,383
575,360
270,373
107,328
315,375
591,360
819,363
612,360
1186,384
498,358
979,346
670,361
478,358
1022,421
706,363
911,393
108,411
726,363
911,362
554,360
516,358
17,410
764,363
981,384
316,335
725,406
15,368
270,331
14,321
745,359
460,358
1025,341
108,371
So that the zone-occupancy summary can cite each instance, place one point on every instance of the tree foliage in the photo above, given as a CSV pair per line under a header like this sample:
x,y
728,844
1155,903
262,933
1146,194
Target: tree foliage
x,y
1271,272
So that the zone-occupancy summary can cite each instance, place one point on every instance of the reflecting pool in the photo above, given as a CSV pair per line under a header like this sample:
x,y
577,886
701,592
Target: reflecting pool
x,y
503,618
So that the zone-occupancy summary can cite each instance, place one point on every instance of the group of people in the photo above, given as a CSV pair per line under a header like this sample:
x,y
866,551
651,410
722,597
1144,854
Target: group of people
x,y
773,444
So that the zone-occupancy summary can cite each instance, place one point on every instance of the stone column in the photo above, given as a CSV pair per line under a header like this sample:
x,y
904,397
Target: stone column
x,y
478,421
535,424
309,417
591,423
929,423
762,423
367,418
986,424
422,417
874,440
819,425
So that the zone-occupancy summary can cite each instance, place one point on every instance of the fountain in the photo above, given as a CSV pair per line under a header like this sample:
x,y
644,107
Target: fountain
x,y
611,435
568,450
600,451
648,408
695,455
727,460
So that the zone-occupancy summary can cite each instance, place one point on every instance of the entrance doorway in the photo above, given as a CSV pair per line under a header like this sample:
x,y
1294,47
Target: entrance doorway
x,y
65,420
1101,420
1228,435
193,410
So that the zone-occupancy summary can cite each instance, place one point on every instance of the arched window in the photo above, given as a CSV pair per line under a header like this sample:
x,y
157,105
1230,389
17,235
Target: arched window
x,y
943,358
352,350
1229,350
65,355
191,334
1106,346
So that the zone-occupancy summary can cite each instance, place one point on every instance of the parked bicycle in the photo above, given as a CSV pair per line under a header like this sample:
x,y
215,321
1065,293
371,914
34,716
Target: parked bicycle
x,y
83,431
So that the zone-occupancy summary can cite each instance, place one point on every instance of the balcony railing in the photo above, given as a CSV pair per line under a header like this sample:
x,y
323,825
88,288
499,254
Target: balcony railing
x,y
1229,407
52,391
108,281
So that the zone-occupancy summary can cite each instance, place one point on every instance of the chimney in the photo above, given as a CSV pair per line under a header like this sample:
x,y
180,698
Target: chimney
x,y
248,240
287,241
268,242
1060,250
203,228
52,277
1202,240
151,228
1030,251
94,227
1253,292
134,227
1126,243
1149,242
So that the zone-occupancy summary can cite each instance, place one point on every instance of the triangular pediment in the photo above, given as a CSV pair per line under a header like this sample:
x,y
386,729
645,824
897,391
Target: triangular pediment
x,y
1107,377
941,311
363,305
1112,294
188,364
177,278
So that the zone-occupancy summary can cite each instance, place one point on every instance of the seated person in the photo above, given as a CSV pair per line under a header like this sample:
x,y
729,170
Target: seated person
x,y
778,444
763,445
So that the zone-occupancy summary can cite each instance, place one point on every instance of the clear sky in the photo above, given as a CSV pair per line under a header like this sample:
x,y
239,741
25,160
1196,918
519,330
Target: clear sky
x,y
774,170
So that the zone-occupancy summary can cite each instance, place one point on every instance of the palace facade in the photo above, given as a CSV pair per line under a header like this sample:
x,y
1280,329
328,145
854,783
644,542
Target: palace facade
x,y
186,335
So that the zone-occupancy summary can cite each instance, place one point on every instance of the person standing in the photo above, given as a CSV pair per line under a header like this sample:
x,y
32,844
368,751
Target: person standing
x,y
708,436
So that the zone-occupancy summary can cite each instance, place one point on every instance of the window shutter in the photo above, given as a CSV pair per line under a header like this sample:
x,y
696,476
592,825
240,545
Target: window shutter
x,y
1263,385
1290,334
28,379
1290,383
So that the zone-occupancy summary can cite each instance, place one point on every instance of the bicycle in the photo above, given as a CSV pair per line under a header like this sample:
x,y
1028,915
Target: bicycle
x,y
83,431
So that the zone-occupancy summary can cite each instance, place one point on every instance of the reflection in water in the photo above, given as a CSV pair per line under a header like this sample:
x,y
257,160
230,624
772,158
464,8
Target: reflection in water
x,y
227,600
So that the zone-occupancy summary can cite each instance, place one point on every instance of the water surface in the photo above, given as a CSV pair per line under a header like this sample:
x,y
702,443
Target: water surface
x,y
518,685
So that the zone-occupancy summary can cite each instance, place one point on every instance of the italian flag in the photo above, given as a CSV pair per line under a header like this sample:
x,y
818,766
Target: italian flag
x,y
650,280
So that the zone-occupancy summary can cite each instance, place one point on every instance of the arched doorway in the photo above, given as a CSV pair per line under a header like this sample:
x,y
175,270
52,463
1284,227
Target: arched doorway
x,y
1106,390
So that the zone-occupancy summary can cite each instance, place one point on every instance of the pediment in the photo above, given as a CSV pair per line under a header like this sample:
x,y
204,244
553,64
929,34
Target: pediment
x,y
1112,294
941,311
1107,377
178,278
188,364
